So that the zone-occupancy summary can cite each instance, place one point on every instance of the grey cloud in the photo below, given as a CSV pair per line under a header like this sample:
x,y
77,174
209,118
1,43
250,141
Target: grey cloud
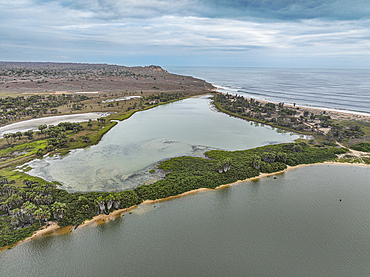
x,y
105,28
293,9
113,9
264,9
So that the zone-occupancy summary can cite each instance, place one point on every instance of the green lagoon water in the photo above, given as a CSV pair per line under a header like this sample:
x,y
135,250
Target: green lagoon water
x,y
126,154
293,225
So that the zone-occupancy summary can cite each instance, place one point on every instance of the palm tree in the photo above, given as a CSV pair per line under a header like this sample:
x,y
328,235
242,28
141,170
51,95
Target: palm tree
x,y
45,214
101,204
109,200
227,164
116,202
38,215
58,209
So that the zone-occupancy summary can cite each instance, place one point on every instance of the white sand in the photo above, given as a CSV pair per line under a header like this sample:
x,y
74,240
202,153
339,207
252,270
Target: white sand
x,y
32,124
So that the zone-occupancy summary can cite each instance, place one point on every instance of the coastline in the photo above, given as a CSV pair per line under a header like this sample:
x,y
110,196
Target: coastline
x,y
335,114
54,229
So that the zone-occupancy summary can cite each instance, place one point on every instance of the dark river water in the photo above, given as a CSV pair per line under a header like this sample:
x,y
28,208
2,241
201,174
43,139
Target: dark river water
x,y
294,225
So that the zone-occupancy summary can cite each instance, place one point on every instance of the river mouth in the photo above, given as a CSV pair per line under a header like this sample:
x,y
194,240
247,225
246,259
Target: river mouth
x,y
125,155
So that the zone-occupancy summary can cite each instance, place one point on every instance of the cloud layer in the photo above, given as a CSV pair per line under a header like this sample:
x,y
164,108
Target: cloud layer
x,y
188,32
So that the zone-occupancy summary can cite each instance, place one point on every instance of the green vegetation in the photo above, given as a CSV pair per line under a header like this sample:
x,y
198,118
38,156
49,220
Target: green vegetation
x,y
289,118
223,167
15,108
363,146
29,203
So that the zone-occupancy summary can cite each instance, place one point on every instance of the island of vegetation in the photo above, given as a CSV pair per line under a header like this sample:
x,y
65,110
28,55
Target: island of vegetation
x,y
28,204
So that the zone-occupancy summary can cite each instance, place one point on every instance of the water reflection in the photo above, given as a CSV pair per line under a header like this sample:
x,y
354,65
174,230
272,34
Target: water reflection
x,y
128,152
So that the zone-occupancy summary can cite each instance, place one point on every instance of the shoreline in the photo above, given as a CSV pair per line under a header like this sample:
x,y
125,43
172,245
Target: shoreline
x,y
223,90
335,114
54,229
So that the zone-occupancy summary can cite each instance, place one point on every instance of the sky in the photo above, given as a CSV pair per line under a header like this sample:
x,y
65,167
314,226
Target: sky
x,y
248,33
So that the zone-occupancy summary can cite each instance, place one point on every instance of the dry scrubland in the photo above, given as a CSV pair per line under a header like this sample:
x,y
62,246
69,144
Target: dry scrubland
x,y
98,82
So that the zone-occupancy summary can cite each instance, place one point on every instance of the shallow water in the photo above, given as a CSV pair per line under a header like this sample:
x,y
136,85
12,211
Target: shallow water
x,y
124,156
293,225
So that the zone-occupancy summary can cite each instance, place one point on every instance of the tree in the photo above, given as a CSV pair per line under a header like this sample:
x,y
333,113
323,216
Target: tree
x,y
116,202
14,136
89,124
58,209
29,134
256,161
19,135
40,152
101,204
8,138
42,127
109,200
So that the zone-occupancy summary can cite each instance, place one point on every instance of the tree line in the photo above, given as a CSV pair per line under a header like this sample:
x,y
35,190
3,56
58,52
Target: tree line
x,y
283,116
15,108
34,203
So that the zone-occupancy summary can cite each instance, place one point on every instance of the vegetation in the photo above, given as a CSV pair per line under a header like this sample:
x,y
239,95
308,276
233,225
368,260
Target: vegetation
x,y
290,118
30,203
16,108
223,167
363,146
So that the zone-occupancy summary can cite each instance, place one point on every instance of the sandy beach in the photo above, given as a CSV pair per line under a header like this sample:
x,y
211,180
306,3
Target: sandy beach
x,y
334,114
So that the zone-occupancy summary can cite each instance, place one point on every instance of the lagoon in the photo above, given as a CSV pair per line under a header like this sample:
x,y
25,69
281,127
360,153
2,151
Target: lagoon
x,y
294,225
126,154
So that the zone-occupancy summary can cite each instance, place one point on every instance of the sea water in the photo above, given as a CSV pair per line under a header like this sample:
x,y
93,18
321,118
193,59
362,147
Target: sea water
x,y
339,89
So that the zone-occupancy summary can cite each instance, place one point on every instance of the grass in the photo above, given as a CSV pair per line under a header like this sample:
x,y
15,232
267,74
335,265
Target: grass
x,y
16,178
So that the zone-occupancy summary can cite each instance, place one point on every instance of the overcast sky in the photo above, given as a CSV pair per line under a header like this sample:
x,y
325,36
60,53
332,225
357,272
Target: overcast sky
x,y
276,33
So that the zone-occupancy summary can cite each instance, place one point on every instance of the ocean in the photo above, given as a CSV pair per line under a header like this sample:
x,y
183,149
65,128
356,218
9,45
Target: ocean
x,y
345,90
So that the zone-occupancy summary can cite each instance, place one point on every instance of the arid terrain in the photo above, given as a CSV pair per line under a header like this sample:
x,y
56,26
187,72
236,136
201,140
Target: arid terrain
x,y
23,78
